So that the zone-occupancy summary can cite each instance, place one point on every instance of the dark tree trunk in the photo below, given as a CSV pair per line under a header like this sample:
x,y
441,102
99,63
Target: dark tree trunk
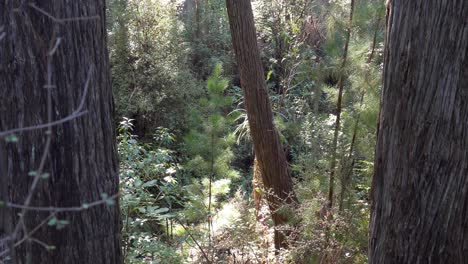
x,y
268,150
420,186
81,159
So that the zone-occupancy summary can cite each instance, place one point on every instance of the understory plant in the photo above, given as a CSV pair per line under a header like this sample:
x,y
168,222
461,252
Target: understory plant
x,y
149,192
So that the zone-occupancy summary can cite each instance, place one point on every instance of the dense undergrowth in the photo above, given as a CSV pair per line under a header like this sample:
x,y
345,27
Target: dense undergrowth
x,y
186,160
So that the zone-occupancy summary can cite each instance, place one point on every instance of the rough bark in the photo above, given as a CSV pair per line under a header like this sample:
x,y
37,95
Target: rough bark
x,y
5,212
81,161
268,150
420,187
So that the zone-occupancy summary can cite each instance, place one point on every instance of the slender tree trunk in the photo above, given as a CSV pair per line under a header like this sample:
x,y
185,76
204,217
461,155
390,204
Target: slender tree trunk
x,y
268,150
420,185
347,176
210,192
338,111
197,20
374,41
348,170
62,44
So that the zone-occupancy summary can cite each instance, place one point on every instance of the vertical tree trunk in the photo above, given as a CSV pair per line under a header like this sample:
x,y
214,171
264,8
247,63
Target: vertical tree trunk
x,y
346,177
81,159
347,172
420,186
268,150
341,80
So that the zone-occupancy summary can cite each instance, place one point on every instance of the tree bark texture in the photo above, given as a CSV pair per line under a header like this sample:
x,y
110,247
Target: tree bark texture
x,y
82,161
420,187
268,150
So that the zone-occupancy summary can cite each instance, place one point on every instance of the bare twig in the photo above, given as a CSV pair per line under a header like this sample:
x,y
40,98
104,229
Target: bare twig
x,y
34,230
45,154
54,49
61,20
54,211
63,209
42,126
195,241
32,239
77,113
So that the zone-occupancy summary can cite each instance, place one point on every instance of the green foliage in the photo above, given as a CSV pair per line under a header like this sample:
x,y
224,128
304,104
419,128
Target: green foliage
x,y
182,188
151,80
149,191
206,30
208,150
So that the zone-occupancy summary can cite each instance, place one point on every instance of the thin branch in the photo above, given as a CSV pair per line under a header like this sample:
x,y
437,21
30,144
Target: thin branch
x,y
62,209
86,89
42,126
45,153
77,113
45,221
54,49
42,11
194,240
43,244
61,20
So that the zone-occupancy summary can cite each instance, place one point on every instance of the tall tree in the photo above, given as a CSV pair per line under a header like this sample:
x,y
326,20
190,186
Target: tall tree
x,y
268,150
341,81
54,66
420,186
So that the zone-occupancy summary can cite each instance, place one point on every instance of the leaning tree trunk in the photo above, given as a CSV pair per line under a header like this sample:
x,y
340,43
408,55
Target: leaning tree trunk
x,y
420,186
51,51
268,150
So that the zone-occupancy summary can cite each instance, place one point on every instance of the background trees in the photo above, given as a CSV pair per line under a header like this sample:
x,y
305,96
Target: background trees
x,y
301,46
54,67
186,155
151,65
419,186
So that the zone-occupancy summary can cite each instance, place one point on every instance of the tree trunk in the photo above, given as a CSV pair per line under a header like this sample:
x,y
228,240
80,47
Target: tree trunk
x,y
348,167
5,212
346,177
268,150
420,186
344,59
50,51
257,186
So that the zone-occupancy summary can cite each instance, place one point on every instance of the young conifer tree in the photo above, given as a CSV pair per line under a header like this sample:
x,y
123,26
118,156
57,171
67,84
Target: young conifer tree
x,y
208,146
